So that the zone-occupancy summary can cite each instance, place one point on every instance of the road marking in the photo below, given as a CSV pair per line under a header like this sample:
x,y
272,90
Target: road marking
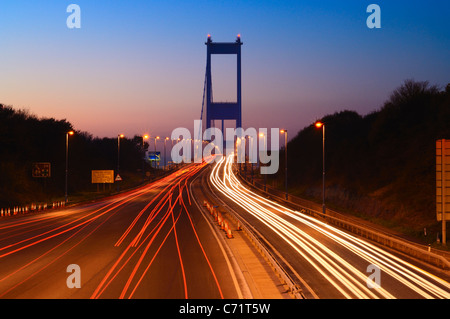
x,y
247,294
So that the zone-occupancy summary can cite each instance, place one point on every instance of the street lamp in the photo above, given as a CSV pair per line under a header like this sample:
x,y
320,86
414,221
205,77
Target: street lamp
x,y
155,138
144,137
118,156
322,125
285,132
67,162
166,139
250,148
265,175
247,145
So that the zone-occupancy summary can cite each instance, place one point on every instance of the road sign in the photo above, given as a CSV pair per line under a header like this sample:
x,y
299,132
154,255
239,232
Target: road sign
x,y
443,184
154,156
443,179
41,170
118,178
102,176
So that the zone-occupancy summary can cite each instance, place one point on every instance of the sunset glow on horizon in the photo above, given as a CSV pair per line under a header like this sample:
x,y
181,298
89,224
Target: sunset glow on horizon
x,y
138,67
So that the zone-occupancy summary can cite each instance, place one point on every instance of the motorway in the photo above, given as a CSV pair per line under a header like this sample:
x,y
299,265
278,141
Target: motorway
x,y
328,263
154,243
150,242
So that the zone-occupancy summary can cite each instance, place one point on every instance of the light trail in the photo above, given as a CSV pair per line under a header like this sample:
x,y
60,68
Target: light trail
x,y
145,239
159,231
116,201
291,226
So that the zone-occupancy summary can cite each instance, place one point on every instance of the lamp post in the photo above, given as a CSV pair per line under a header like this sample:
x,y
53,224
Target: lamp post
x,y
245,155
118,156
265,175
155,138
178,141
67,163
165,161
144,137
251,139
285,161
236,146
322,125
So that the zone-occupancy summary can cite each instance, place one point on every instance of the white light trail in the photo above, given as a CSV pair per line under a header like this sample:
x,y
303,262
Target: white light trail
x,y
291,226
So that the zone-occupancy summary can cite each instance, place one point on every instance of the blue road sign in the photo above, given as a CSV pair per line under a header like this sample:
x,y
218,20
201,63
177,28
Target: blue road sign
x,y
154,156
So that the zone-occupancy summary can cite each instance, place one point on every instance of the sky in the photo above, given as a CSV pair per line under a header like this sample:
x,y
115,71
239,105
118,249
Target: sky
x,y
138,67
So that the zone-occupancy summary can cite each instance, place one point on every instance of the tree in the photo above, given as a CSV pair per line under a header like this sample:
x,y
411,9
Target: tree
x,y
411,90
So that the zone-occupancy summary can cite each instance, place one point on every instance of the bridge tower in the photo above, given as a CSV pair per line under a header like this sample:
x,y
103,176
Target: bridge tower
x,y
223,110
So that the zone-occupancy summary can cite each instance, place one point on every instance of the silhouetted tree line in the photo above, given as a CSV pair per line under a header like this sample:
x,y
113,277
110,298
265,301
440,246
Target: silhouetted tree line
x,y
26,139
381,164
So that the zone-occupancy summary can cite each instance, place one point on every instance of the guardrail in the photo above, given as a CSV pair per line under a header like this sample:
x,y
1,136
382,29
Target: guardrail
x,y
421,252
252,234
294,288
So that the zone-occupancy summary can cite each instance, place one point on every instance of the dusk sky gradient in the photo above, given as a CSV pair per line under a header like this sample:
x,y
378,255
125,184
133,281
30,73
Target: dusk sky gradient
x,y
138,67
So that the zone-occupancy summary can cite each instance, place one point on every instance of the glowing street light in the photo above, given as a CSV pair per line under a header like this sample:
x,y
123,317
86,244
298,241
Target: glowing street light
x,y
285,132
165,140
144,137
265,148
118,151
67,163
250,148
155,138
118,156
322,125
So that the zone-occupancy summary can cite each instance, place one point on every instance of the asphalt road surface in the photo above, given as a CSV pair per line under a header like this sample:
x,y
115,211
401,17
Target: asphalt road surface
x,y
329,263
150,242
